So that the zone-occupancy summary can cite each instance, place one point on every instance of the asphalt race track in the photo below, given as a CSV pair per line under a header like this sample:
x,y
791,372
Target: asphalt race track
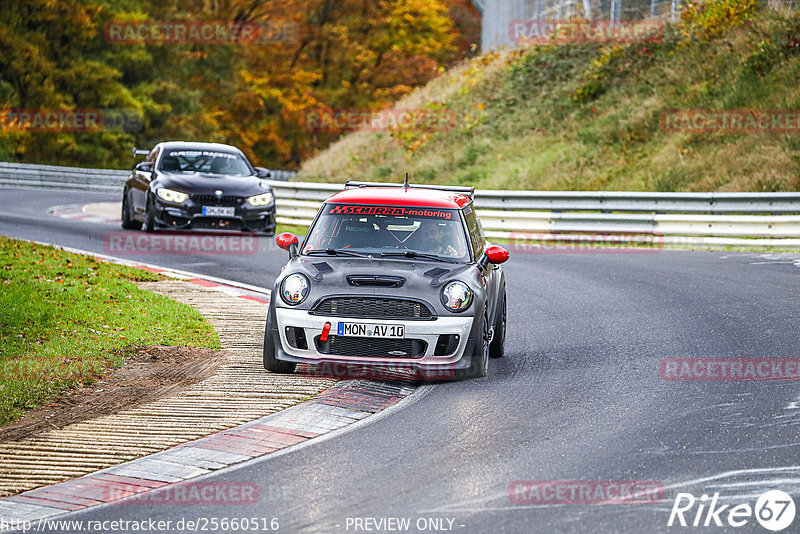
x,y
578,397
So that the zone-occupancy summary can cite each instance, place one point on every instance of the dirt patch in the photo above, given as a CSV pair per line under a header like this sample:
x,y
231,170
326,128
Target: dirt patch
x,y
150,373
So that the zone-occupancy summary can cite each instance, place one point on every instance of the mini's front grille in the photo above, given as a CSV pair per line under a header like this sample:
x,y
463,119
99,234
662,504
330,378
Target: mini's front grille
x,y
371,347
214,200
373,307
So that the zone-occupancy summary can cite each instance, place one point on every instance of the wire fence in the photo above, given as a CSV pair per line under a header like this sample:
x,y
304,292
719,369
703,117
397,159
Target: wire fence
x,y
501,17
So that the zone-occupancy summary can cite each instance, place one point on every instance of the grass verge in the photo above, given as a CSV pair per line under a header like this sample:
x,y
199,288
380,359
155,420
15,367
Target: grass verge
x,y
587,116
66,318
296,229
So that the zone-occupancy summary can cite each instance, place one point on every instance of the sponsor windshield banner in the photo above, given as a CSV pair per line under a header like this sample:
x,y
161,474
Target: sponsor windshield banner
x,y
199,153
391,211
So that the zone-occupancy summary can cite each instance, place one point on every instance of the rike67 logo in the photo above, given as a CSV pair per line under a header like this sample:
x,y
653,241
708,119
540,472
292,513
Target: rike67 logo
x,y
774,510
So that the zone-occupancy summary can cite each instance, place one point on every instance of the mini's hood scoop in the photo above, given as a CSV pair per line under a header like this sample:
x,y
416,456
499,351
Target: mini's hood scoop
x,y
375,280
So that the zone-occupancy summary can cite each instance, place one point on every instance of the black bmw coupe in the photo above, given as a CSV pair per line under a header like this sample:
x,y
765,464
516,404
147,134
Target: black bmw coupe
x,y
182,186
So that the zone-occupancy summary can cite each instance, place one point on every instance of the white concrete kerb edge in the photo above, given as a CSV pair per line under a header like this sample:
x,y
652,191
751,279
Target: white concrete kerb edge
x,y
167,271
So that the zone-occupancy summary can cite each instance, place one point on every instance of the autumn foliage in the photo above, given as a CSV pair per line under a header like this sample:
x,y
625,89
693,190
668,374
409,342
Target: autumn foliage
x,y
312,55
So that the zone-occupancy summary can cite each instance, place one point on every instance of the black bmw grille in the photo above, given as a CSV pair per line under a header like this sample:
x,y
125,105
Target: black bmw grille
x,y
213,200
373,307
217,223
373,347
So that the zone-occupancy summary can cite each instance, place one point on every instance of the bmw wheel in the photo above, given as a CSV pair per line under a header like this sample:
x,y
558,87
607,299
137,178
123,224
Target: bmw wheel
x,y
128,222
150,217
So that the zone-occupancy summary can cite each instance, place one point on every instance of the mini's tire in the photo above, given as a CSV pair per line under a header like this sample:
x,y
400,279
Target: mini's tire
x,y
128,222
271,363
479,363
497,349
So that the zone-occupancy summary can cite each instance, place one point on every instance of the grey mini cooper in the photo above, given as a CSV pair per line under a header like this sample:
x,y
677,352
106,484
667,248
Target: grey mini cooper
x,y
390,276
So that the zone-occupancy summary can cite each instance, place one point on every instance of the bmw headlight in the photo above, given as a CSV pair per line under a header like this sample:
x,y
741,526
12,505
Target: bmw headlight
x,y
294,289
456,296
169,195
261,200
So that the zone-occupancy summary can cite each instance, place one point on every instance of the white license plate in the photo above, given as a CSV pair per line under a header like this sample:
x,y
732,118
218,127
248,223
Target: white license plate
x,y
219,211
371,330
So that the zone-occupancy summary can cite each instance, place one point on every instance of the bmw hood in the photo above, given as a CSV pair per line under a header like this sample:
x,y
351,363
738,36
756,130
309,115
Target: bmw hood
x,y
209,183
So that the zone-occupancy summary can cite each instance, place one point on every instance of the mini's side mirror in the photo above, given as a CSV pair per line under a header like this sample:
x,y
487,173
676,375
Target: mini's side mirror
x,y
261,172
288,242
145,166
495,255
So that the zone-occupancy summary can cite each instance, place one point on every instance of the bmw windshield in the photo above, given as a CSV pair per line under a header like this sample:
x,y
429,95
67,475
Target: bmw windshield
x,y
182,161
411,232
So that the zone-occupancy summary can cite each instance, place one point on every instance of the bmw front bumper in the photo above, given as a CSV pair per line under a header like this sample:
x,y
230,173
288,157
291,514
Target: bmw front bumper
x,y
189,215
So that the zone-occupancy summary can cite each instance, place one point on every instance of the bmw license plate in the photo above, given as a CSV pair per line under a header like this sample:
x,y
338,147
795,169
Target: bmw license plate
x,y
397,331
219,211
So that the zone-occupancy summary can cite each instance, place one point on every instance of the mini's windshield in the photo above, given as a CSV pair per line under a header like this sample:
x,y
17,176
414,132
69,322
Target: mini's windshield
x,y
205,162
424,233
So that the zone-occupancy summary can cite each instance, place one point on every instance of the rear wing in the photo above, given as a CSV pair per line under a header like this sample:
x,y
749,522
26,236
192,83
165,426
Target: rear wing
x,y
140,151
470,191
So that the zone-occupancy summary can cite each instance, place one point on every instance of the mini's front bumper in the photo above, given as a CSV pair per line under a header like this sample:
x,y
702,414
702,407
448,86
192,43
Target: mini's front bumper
x,y
427,331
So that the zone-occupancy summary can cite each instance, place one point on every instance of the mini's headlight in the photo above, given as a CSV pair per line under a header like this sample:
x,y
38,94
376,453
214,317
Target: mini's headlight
x,y
171,196
261,200
294,289
456,296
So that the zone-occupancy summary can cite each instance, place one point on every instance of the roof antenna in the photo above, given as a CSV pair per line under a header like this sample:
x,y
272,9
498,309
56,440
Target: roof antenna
x,y
406,184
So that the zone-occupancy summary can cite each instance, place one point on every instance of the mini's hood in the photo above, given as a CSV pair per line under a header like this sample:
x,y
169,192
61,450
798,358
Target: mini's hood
x,y
209,183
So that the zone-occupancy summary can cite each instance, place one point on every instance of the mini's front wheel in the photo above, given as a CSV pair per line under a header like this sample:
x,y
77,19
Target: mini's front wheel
x,y
479,364
271,363
497,349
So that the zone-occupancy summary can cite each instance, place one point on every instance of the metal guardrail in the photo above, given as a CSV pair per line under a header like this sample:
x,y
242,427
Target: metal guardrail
x,y
506,213
77,178
53,177
602,201
510,213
